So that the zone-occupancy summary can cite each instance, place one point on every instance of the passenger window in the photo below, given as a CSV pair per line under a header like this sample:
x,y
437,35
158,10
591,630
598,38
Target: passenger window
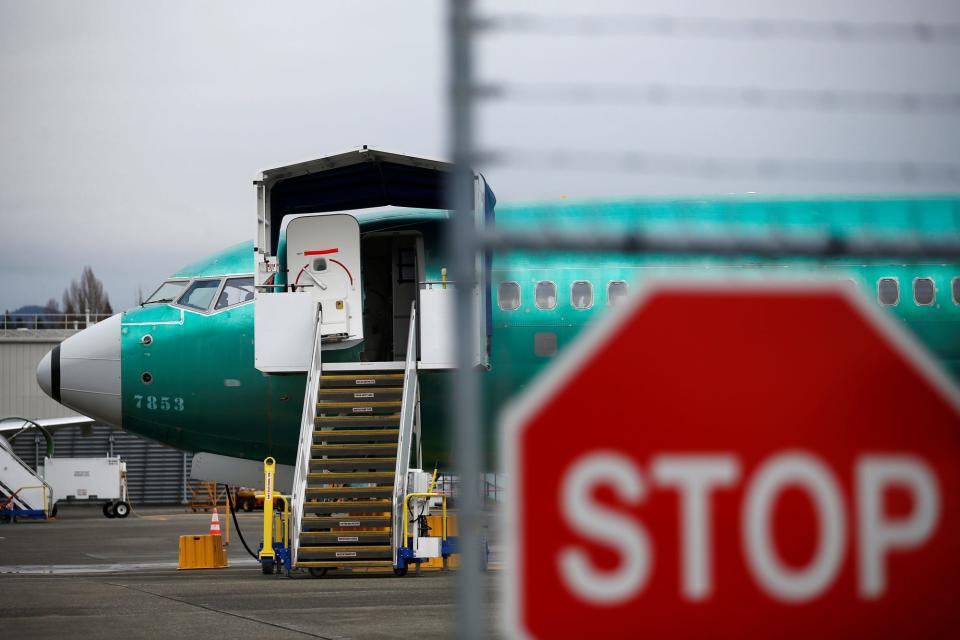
x,y
581,294
168,291
200,294
616,292
544,344
924,292
888,292
236,291
508,296
955,286
545,295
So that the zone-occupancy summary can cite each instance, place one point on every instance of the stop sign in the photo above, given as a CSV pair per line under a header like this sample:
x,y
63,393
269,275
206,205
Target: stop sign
x,y
731,459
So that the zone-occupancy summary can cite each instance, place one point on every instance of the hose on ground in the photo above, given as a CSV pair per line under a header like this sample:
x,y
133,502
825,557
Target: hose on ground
x,y
236,524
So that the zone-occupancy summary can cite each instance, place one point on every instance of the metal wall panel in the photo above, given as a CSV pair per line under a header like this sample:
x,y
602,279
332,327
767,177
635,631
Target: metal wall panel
x,y
156,474
20,395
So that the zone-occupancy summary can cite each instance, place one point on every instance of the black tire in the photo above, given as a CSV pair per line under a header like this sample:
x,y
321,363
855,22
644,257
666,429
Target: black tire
x,y
53,512
121,509
248,505
400,572
108,510
267,567
317,572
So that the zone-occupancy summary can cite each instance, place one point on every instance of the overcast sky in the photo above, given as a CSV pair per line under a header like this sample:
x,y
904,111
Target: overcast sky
x,y
130,131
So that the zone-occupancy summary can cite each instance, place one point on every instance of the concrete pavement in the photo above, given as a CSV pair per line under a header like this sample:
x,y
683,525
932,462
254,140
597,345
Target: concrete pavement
x,y
86,576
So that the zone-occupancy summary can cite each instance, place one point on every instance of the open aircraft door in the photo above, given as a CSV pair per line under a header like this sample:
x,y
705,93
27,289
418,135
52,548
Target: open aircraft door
x,y
437,302
323,250
307,256
483,301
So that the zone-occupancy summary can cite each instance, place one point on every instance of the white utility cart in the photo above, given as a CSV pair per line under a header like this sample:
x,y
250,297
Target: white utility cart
x,y
89,480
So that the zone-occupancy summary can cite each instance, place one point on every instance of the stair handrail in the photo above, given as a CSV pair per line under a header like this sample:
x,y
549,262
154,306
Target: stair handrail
x,y
45,490
44,486
408,412
307,426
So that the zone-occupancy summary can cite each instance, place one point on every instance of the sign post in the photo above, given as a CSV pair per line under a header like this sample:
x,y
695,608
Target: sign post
x,y
777,460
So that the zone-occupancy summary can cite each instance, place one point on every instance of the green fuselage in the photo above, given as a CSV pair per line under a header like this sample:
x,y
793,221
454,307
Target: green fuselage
x,y
204,393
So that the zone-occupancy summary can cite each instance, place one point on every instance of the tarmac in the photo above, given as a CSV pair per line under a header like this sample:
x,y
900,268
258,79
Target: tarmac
x,y
83,575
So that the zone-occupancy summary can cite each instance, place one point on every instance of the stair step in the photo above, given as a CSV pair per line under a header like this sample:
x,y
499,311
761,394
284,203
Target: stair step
x,y
347,516
333,564
336,552
365,380
308,538
359,407
361,395
358,421
347,465
352,506
331,493
352,477
385,448
355,435
311,523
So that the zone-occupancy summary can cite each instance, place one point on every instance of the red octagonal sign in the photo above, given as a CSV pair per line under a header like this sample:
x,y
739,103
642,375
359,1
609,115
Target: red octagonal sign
x,y
724,460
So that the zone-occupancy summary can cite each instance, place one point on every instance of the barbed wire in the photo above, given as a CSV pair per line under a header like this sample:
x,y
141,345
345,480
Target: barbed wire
x,y
718,167
724,28
773,245
899,102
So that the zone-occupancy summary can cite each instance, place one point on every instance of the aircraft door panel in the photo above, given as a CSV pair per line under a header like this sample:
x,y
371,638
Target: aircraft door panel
x,y
483,302
323,259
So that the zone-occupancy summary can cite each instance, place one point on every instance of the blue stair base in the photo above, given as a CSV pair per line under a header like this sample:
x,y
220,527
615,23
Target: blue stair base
x,y
406,556
34,514
282,556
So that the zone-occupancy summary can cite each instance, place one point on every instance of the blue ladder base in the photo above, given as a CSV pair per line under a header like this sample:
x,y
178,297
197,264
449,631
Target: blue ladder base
x,y
34,514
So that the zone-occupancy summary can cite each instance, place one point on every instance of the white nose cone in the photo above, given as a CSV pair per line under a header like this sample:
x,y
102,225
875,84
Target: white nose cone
x,y
84,372
43,375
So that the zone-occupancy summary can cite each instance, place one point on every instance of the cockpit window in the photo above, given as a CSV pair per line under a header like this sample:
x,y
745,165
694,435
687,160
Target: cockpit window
x,y
236,290
167,292
200,294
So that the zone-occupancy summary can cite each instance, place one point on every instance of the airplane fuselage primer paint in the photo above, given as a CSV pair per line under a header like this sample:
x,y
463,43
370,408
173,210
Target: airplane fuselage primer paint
x,y
204,393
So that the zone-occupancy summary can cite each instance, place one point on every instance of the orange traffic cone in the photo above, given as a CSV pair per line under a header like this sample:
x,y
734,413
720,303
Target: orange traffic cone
x,y
215,523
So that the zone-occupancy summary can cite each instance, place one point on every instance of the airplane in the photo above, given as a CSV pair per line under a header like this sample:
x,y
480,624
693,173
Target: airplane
x,y
199,367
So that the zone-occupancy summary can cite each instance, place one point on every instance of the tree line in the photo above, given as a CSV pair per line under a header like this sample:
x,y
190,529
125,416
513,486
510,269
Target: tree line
x,y
83,296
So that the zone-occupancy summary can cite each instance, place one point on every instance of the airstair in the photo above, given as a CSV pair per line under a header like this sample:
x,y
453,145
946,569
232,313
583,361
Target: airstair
x,y
345,245
23,493
356,439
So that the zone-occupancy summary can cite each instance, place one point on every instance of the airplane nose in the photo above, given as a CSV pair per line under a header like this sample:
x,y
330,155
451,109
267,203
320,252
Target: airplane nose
x,y
44,376
83,372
